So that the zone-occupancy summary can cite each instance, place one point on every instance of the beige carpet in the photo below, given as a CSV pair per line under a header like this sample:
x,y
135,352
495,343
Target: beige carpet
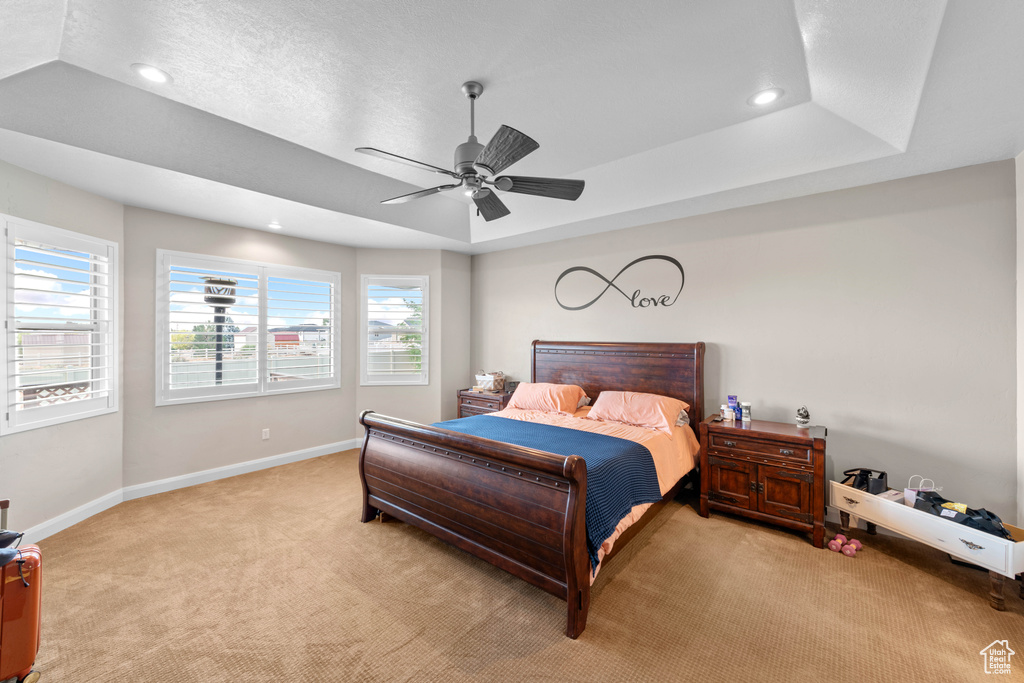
x,y
270,577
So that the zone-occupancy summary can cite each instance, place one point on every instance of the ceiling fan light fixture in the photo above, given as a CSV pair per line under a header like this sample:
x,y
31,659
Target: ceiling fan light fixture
x,y
765,97
151,73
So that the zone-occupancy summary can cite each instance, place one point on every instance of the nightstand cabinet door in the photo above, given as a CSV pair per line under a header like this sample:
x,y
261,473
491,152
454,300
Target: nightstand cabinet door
x,y
733,483
786,492
768,471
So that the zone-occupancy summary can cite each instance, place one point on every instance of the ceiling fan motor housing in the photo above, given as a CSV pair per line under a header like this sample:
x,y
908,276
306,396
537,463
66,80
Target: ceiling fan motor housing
x,y
466,154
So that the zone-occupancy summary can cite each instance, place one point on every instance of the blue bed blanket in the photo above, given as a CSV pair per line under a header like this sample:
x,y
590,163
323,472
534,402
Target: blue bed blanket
x,y
620,473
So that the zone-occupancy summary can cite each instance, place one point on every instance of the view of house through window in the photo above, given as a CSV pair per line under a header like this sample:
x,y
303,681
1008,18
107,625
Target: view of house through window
x,y
60,347
234,328
395,331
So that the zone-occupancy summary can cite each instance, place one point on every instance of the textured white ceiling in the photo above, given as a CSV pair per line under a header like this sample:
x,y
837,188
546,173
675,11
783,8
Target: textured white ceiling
x,y
646,102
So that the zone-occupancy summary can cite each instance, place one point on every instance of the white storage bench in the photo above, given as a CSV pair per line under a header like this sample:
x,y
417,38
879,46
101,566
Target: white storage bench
x,y
1002,557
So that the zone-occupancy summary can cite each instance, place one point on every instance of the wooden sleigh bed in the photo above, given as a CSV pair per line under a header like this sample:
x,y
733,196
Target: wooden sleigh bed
x,y
518,508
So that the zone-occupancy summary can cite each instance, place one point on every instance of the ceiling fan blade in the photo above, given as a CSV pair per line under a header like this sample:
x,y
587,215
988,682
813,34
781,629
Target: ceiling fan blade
x,y
491,207
557,188
374,152
421,193
506,148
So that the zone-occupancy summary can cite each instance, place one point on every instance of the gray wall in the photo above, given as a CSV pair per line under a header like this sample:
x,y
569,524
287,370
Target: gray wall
x,y
1019,167
889,310
52,470
448,330
168,441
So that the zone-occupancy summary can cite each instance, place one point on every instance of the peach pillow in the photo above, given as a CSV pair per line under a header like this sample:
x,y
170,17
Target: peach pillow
x,y
551,398
643,410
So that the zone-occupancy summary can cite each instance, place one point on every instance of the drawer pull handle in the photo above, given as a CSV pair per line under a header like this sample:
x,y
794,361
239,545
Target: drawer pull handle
x,y
972,546
785,451
730,444
852,501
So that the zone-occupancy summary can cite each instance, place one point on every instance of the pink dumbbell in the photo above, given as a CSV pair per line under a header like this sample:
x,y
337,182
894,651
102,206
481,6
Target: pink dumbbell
x,y
851,547
836,544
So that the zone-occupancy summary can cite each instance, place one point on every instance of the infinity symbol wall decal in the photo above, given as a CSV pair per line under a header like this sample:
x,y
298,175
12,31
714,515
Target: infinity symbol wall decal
x,y
635,298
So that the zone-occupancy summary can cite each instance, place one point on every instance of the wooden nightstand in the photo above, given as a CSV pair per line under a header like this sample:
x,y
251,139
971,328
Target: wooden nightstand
x,y
476,403
770,471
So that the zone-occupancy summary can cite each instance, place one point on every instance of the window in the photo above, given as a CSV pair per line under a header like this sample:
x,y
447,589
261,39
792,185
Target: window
x,y
60,350
394,330
228,328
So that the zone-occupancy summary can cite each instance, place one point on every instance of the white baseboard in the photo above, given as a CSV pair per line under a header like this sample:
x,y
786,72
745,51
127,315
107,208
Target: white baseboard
x,y
83,512
72,517
180,482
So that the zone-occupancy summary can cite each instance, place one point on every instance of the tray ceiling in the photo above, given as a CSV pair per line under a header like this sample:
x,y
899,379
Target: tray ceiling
x,y
270,98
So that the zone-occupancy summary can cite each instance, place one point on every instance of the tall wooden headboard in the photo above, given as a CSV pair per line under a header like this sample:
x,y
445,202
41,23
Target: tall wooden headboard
x,y
675,370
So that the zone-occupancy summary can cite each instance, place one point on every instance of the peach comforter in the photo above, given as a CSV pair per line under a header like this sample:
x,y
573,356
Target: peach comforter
x,y
674,455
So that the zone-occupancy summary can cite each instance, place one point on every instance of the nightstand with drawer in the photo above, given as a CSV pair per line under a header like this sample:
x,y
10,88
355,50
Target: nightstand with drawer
x,y
1002,557
477,403
769,471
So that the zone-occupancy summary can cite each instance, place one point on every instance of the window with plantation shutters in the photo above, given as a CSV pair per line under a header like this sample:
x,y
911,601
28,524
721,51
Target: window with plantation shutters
x,y
394,329
300,333
228,328
60,351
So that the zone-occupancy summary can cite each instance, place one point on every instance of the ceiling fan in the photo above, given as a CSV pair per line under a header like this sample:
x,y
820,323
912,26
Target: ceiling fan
x,y
477,165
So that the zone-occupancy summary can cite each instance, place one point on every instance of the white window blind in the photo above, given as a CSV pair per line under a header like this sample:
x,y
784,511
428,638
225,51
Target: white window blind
x,y
60,354
228,328
208,349
394,329
300,335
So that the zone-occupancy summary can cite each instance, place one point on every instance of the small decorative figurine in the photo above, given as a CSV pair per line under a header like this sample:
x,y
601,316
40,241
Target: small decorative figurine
x,y
803,418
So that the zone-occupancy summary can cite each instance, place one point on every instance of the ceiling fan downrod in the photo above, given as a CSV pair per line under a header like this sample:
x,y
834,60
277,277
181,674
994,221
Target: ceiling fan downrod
x,y
467,152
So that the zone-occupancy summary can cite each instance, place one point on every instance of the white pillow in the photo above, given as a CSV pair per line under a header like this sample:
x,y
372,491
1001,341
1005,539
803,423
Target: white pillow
x,y
585,401
683,419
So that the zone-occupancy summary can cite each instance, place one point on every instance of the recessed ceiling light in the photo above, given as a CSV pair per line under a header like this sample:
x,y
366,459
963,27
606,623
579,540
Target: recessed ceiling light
x,y
766,97
151,73
274,226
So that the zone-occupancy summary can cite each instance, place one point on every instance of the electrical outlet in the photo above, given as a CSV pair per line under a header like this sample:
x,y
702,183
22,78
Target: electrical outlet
x,y
266,434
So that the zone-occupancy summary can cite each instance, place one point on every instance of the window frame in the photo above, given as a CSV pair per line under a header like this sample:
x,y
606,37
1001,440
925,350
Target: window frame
x,y
423,377
262,387
70,411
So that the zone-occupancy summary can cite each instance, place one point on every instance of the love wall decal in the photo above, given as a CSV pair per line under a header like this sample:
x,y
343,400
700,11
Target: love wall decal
x,y
636,298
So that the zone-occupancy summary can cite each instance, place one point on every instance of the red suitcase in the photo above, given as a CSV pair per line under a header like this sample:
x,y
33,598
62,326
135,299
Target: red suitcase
x,y
21,584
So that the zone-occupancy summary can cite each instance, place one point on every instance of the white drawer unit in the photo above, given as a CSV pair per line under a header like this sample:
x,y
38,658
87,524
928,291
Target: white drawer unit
x,y
1002,557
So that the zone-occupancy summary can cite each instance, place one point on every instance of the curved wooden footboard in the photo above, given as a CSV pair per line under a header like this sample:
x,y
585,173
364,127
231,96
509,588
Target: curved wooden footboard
x,y
520,509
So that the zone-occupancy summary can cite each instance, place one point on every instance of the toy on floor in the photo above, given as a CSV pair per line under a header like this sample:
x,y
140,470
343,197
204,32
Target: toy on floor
x,y
841,544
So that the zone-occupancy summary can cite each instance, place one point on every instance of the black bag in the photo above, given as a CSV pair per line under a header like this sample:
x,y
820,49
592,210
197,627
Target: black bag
x,y
863,480
980,519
